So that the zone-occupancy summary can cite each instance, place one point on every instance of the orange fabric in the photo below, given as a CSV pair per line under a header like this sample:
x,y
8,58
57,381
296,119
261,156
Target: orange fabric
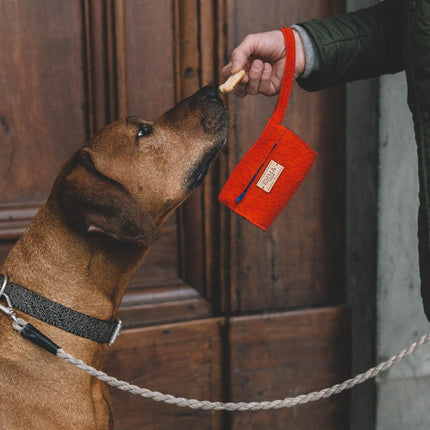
x,y
278,144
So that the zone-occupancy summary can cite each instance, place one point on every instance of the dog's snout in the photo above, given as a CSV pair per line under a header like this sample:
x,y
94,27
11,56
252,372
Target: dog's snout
x,y
208,92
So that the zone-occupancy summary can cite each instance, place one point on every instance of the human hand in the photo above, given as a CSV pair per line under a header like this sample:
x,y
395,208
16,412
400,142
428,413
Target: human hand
x,y
262,56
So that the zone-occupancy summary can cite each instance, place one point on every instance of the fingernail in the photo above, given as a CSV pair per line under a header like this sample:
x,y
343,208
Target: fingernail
x,y
257,67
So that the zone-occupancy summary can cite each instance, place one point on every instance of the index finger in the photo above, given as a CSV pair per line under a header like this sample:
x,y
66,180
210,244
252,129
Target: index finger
x,y
241,54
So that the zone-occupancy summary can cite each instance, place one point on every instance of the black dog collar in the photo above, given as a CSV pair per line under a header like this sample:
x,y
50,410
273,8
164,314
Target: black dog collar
x,y
58,315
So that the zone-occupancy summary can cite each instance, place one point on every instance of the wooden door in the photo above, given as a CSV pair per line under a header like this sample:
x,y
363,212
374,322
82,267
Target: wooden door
x,y
219,310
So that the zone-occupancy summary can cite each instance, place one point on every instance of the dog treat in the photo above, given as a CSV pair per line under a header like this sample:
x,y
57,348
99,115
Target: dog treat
x,y
231,82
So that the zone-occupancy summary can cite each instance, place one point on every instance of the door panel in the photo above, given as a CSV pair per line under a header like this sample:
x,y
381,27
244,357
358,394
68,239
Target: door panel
x,y
143,57
42,89
285,355
183,359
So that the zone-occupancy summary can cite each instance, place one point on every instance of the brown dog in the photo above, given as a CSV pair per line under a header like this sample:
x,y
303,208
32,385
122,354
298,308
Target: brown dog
x,y
83,247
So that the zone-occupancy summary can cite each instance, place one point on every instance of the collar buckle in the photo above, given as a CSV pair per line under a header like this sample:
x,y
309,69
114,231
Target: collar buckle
x,y
115,332
8,310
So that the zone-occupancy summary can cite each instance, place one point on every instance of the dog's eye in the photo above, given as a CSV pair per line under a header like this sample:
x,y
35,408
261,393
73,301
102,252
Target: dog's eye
x,y
144,129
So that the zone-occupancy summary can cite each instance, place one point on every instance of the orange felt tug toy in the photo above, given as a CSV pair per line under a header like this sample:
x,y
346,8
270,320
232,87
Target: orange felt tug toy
x,y
274,167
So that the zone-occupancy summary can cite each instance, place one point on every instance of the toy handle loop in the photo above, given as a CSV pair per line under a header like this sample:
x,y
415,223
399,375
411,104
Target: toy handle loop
x,y
288,78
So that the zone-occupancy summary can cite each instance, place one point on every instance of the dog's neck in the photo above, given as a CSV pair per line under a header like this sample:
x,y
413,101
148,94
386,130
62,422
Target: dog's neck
x,y
70,269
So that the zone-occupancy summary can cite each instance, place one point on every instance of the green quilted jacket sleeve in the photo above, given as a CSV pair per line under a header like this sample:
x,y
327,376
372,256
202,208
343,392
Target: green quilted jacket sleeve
x,y
357,45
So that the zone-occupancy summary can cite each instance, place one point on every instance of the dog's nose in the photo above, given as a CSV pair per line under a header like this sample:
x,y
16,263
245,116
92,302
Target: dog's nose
x,y
208,93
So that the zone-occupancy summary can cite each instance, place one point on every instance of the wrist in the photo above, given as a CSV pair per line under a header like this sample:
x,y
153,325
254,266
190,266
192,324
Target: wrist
x,y
300,55
310,51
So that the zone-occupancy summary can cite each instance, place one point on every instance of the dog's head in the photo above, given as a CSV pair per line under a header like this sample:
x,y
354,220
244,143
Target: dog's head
x,y
133,174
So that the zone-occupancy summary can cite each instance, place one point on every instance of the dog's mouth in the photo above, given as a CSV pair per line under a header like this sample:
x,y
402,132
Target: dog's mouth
x,y
214,121
200,170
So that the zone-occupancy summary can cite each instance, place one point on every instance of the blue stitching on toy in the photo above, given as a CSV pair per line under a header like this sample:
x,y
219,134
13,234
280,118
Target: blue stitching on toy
x,y
241,196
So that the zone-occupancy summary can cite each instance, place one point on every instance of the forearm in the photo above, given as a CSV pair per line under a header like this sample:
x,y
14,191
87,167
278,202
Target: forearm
x,y
354,46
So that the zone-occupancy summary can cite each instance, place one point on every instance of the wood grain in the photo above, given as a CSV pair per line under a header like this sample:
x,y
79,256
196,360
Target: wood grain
x,y
287,354
181,359
42,94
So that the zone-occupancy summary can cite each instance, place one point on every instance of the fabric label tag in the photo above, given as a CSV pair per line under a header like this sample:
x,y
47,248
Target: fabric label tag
x,y
270,176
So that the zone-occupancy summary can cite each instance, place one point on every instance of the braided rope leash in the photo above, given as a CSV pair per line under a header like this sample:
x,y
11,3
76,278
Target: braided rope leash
x,y
29,332
245,406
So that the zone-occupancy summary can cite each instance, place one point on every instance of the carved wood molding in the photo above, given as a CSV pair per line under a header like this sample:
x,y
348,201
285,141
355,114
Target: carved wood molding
x,y
200,51
15,219
176,302
105,50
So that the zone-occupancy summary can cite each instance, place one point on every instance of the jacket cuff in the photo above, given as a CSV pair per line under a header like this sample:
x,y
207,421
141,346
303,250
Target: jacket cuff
x,y
320,78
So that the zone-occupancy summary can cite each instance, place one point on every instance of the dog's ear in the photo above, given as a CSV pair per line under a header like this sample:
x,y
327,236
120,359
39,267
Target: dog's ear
x,y
96,205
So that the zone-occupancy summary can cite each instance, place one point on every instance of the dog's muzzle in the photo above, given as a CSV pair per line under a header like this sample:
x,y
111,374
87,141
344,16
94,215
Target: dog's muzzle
x,y
214,120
